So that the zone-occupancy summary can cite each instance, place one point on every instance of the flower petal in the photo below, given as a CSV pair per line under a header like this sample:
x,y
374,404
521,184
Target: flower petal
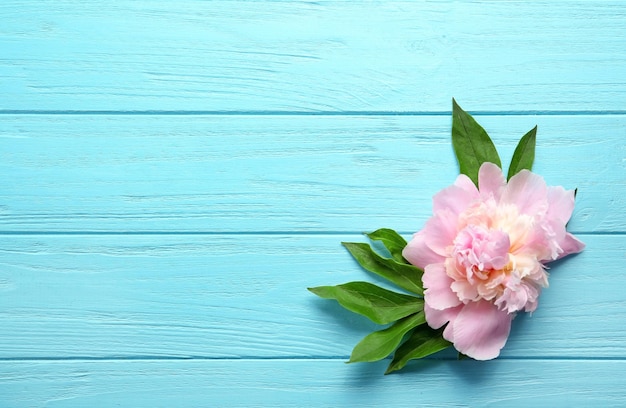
x,y
438,294
440,231
561,204
528,192
570,245
481,330
491,181
437,318
418,253
466,184
455,198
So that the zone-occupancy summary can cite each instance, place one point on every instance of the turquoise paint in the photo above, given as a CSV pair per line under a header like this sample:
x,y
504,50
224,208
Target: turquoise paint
x,y
175,176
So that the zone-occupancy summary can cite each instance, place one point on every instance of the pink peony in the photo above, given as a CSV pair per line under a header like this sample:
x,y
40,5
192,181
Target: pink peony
x,y
483,254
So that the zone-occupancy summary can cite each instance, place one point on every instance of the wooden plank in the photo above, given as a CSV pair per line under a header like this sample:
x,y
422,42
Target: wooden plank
x,y
312,56
278,173
238,296
321,383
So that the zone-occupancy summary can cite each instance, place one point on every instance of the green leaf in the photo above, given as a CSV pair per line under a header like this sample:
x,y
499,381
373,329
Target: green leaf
x,y
392,241
423,342
472,145
407,277
524,154
380,305
378,345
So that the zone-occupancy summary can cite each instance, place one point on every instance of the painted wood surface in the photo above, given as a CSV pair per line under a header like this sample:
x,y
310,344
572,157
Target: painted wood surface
x,y
244,296
313,56
318,383
215,173
175,174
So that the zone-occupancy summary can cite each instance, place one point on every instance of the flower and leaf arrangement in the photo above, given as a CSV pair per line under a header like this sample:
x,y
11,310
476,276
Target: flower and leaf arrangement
x,y
478,261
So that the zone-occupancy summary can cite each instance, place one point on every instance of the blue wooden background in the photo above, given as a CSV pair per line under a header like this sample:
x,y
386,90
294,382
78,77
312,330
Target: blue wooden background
x,y
175,174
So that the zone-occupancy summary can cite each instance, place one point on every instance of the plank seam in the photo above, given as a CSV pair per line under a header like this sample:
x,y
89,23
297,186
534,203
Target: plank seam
x,y
293,358
261,233
304,113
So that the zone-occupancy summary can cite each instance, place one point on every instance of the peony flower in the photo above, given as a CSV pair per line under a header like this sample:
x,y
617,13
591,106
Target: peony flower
x,y
484,252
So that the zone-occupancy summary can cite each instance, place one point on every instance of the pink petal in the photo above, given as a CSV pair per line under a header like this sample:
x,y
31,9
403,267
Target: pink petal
x,y
465,290
455,198
561,204
440,231
466,184
448,332
491,181
540,241
570,245
528,192
481,330
437,318
438,293
418,253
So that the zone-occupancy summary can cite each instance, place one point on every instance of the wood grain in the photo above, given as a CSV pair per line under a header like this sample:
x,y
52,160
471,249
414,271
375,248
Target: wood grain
x,y
313,56
319,383
279,173
244,296
175,174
